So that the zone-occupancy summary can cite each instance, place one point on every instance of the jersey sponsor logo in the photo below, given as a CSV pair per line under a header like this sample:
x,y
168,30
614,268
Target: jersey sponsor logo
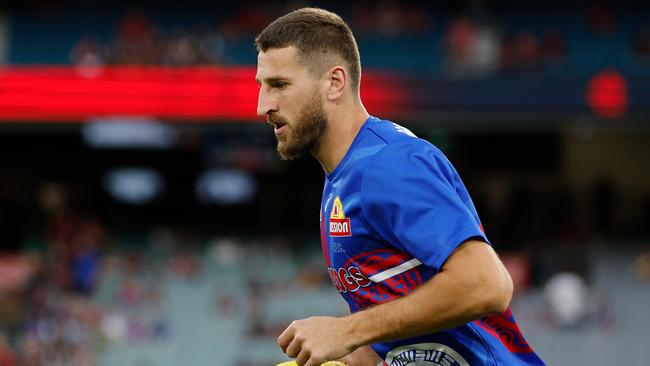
x,y
339,224
348,279
425,354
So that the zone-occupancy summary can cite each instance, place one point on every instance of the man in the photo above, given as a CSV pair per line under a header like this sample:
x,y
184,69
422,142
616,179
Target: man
x,y
401,238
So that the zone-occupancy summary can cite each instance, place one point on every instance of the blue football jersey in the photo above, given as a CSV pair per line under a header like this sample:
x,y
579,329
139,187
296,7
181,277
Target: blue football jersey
x,y
392,212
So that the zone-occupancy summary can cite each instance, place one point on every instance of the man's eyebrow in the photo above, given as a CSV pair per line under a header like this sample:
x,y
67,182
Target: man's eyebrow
x,y
272,80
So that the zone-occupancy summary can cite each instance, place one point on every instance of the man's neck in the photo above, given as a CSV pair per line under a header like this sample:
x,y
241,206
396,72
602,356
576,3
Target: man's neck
x,y
341,131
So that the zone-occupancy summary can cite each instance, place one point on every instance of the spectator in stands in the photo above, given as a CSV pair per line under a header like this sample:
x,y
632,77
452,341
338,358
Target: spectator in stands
x,y
417,18
642,264
89,55
566,295
642,45
485,50
391,18
137,41
182,49
7,355
472,48
600,20
554,48
211,45
362,18
522,53
248,20
459,40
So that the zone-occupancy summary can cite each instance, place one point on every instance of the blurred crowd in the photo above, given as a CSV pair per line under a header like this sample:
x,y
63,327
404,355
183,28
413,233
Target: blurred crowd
x,y
138,41
78,290
75,289
475,40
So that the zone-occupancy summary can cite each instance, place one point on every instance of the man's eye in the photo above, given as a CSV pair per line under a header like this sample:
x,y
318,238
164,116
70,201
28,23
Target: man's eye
x,y
280,85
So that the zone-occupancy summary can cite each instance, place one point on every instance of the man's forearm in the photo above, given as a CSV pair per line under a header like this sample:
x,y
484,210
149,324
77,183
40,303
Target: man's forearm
x,y
472,284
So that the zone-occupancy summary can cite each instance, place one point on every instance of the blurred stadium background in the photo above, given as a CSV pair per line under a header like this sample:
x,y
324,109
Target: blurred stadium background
x,y
146,220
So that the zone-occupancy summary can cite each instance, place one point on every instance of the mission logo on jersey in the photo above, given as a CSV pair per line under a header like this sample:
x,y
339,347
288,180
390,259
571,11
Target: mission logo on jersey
x,y
339,224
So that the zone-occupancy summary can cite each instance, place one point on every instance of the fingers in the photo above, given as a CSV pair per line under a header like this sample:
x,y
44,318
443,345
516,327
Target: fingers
x,y
313,341
306,358
284,340
297,349
303,357
294,348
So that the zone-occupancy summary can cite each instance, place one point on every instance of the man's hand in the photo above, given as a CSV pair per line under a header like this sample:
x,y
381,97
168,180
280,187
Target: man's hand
x,y
315,340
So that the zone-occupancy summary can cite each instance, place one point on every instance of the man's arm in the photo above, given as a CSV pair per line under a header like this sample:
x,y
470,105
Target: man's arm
x,y
472,284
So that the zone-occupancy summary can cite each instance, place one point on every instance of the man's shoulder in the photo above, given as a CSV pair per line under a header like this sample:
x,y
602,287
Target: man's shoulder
x,y
399,144
384,150
390,131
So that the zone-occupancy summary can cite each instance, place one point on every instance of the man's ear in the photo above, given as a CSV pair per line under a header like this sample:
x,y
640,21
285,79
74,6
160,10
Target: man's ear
x,y
338,78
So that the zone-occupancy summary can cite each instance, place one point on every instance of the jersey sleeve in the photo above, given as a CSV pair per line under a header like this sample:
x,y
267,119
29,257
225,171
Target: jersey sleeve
x,y
413,198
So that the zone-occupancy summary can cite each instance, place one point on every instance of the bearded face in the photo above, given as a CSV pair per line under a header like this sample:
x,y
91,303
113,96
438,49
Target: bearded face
x,y
290,98
298,137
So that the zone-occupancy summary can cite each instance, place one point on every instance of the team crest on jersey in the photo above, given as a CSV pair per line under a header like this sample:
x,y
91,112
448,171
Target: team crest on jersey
x,y
425,354
339,224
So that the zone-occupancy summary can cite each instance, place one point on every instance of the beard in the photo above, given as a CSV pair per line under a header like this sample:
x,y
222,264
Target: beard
x,y
306,133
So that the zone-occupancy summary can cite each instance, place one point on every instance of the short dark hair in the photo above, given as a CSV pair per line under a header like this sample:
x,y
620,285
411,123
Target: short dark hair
x,y
316,33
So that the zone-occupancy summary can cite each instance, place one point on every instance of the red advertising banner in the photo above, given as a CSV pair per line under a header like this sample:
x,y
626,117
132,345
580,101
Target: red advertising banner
x,y
199,94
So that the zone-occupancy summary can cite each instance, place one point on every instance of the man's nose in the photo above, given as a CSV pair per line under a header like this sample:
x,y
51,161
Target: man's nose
x,y
265,103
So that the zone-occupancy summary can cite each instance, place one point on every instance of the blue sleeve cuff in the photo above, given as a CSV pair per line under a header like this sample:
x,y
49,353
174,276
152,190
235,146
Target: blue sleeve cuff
x,y
462,236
